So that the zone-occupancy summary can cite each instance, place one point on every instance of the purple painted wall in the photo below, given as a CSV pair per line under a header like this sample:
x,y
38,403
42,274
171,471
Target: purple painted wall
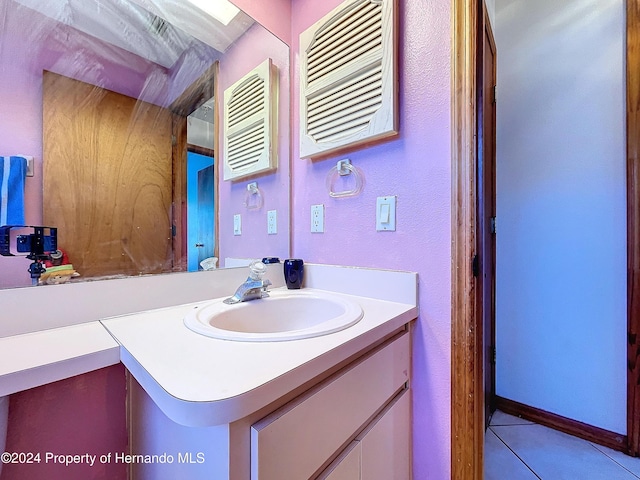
x,y
253,48
275,15
416,166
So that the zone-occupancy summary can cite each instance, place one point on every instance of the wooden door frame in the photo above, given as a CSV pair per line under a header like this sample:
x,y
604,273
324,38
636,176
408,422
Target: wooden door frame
x,y
467,393
467,429
633,226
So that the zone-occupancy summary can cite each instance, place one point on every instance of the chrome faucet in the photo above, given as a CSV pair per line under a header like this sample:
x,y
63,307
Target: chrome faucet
x,y
253,287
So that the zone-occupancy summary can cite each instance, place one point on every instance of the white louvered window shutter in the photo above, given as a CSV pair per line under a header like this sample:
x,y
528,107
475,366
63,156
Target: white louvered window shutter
x,y
250,123
348,78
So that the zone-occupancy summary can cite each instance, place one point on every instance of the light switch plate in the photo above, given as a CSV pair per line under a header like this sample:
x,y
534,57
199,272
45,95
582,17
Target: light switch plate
x,y
386,214
30,171
272,222
317,218
237,224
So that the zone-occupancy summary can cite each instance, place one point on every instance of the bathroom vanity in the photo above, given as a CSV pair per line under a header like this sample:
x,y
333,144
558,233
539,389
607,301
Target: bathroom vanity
x,y
331,406
324,406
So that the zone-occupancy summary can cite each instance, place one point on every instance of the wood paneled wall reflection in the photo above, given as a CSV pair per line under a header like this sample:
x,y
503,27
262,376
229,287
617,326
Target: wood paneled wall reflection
x,y
107,178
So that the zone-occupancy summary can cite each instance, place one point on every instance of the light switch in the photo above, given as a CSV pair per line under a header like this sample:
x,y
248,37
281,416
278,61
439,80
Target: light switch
x,y
237,224
386,214
30,167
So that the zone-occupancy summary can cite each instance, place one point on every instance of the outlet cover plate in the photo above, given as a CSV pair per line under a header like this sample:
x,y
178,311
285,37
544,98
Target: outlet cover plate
x,y
317,218
272,222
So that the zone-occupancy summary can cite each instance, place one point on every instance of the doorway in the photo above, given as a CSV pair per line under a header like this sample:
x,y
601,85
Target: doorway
x,y
201,193
200,209
486,195
467,376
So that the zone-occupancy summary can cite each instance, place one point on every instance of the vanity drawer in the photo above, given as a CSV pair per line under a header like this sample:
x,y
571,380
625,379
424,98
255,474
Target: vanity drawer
x,y
295,441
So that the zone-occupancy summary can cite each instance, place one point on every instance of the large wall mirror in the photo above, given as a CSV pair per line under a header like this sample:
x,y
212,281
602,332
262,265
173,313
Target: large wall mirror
x,y
119,102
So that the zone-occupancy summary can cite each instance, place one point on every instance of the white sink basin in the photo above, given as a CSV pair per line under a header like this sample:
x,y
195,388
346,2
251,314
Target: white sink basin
x,y
284,315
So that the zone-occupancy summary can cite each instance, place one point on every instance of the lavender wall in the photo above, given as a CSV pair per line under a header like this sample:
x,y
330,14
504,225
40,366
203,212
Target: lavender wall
x,y
253,48
561,206
275,15
416,167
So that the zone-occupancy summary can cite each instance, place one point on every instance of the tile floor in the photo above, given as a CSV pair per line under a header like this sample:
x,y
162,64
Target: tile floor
x,y
516,449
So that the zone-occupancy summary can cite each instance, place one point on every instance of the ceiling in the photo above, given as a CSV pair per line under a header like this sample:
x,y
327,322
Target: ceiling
x,y
152,29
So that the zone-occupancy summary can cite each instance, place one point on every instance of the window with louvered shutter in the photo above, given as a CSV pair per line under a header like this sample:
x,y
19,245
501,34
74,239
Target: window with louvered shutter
x,y
348,80
250,123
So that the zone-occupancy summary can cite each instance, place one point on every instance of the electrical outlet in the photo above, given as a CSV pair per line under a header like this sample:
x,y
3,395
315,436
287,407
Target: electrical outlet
x,y
272,222
317,218
237,224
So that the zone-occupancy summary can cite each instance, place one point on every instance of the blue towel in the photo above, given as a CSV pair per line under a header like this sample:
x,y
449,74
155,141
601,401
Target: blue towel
x,y
13,171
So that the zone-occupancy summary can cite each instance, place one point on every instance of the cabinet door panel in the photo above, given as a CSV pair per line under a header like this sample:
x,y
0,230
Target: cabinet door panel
x,y
296,440
348,78
386,443
346,466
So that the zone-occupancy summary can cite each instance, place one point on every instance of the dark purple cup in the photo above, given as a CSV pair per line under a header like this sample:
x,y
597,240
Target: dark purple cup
x,y
293,273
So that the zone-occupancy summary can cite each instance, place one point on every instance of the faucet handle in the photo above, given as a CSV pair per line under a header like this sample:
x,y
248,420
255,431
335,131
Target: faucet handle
x,y
257,269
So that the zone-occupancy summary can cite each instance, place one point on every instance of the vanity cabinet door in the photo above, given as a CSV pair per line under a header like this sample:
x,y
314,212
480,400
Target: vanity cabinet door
x,y
346,466
381,451
386,443
250,123
348,78
295,441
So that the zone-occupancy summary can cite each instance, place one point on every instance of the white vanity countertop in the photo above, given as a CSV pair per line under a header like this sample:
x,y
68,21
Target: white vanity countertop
x,y
44,345
195,380
33,359
199,381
